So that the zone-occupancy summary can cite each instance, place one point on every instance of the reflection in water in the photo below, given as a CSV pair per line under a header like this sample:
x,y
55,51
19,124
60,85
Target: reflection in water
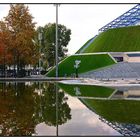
x,y
123,128
119,108
42,108
16,109
24,105
57,108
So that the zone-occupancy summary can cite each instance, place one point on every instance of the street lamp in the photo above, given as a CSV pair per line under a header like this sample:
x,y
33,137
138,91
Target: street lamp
x,y
56,61
56,41
40,37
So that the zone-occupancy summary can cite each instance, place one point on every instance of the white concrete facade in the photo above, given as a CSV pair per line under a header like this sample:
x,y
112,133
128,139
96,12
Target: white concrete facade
x,y
131,59
127,56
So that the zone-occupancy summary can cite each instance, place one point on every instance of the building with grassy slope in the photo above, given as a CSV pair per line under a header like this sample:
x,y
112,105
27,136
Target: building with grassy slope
x,y
119,39
122,43
124,39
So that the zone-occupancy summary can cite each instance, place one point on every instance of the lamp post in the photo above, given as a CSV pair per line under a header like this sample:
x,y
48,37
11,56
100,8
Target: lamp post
x,y
56,64
40,37
56,42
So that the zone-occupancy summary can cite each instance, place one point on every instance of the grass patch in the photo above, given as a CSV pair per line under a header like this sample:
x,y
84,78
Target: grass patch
x,y
88,62
86,90
121,111
124,39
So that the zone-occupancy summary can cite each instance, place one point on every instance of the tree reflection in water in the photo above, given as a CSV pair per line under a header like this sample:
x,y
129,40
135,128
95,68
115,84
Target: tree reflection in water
x,y
47,110
24,105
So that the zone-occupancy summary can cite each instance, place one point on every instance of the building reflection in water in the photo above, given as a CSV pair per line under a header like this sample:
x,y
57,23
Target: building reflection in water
x,y
131,126
124,129
117,107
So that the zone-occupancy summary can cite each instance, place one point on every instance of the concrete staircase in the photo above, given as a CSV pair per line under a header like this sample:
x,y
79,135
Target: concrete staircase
x,y
119,70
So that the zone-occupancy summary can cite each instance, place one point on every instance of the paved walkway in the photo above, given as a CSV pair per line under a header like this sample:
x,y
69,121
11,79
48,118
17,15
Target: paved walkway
x,y
33,79
131,83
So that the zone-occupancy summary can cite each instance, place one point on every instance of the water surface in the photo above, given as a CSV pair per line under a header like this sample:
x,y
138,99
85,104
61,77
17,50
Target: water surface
x,y
50,109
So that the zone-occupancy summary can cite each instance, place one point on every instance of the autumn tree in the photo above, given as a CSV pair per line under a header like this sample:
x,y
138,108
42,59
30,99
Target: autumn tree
x,y
5,54
48,42
22,32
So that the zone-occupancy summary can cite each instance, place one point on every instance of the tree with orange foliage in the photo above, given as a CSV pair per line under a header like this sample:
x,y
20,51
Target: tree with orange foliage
x,y
20,31
5,54
5,42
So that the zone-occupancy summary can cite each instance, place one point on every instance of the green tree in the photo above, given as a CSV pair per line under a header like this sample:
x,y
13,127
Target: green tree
x,y
48,42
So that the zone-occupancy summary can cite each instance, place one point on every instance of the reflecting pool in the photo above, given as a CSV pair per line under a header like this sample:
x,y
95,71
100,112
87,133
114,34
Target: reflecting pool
x,y
55,109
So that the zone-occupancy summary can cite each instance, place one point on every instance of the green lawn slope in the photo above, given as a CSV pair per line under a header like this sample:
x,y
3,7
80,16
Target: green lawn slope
x,y
88,62
87,90
121,111
124,39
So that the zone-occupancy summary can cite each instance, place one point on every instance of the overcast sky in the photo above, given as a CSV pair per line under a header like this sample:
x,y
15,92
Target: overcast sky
x,y
83,20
